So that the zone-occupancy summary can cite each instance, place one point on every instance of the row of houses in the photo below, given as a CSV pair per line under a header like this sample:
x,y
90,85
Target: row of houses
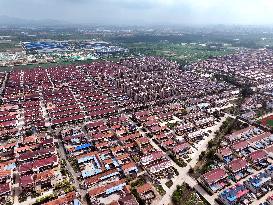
x,y
244,166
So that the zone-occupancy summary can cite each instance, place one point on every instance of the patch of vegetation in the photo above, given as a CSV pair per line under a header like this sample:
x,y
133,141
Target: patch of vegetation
x,y
227,78
171,125
74,163
64,186
140,181
188,160
185,195
183,53
182,112
22,199
139,200
180,162
207,157
34,194
7,46
169,183
246,91
176,171
269,123
160,189
45,199
63,169
8,203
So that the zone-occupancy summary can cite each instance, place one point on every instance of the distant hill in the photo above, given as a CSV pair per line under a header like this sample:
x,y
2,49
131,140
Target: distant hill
x,y
13,21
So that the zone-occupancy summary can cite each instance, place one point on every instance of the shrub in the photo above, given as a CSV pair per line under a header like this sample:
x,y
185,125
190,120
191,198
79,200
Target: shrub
x,y
169,183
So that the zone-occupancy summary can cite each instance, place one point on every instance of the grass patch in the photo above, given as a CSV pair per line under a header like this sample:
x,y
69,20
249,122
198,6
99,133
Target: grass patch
x,y
182,53
140,181
269,123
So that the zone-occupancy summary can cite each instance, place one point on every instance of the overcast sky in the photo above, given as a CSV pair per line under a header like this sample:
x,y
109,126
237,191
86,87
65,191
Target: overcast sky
x,y
143,11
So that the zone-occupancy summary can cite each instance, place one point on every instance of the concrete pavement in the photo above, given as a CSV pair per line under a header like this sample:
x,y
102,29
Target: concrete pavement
x,y
184,175
73,173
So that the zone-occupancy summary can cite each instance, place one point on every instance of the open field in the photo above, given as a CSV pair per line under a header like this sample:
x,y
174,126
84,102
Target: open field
x,y
183,53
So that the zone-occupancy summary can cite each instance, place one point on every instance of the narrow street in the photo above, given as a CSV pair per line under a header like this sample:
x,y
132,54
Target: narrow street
x,y
73,173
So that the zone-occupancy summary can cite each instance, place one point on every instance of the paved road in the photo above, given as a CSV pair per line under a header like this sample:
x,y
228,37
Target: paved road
x,y
183,172
16,188
73,173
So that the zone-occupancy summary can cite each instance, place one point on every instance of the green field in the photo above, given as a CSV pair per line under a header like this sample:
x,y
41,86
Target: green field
x,y
186,53
269,123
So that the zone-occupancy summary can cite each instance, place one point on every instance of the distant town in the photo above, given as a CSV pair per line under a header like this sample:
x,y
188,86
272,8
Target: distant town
x,y
112,117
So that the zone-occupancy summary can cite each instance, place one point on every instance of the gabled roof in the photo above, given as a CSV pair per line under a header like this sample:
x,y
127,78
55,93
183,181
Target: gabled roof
x,y
144,188
240,145
66,199
26,181
237,164
152,157
101,189
214,176
5,188
4,174
129,165
38,163
234,135
257,155
259,137
181,147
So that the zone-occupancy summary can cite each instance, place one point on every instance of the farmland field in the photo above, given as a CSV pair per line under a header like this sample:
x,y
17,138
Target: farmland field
x,y
182,52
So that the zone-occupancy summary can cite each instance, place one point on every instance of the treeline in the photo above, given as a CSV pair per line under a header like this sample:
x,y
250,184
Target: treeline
x,y
244,86
207,157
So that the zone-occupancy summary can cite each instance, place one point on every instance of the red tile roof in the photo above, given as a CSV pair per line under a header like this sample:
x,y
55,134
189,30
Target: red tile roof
x,y
101,189
238,164
26,181
4,188
259,137
181,147
38,163
4,174
68,119
269,149
144,188
240,145
257,155
214,175
67,199
128,166
225,151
